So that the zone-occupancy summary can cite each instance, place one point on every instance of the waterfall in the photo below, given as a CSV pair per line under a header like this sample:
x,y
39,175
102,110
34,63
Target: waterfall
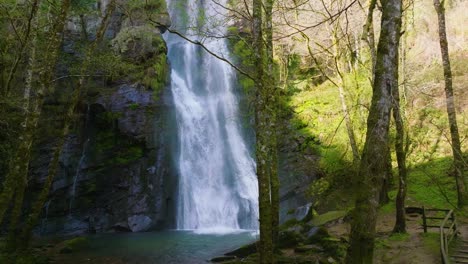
x,y
80,164
77,175
217,185
44,220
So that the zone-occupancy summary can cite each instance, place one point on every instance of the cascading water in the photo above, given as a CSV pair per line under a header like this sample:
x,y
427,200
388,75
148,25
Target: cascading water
x,y
217,188
46,215
79,165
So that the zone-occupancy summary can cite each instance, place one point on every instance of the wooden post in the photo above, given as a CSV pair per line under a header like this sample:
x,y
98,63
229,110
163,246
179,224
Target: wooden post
x,y
455,227
424,219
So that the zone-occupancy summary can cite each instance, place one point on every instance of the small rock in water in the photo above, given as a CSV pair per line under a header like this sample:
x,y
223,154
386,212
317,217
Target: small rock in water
x,y
331,260
243,251
139,223
222,259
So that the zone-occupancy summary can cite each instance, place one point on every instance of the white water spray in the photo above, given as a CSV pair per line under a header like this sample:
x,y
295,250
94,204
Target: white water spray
x,y
217,189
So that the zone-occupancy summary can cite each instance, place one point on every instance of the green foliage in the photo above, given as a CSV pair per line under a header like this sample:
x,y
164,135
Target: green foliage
x,y
430,185
317,189
143,56
82,6
150,5
244,57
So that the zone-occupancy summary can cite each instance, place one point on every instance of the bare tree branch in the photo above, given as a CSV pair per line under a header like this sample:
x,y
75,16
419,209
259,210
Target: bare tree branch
x,y
198,43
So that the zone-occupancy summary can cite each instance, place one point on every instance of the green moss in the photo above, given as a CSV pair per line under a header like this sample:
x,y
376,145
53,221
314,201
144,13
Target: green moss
x,y
399,237
149,5
74,244
431,241
134,106
128,155
289,223
328,217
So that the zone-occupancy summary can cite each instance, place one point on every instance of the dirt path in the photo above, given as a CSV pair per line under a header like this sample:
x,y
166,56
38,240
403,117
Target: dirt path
x,y
414,248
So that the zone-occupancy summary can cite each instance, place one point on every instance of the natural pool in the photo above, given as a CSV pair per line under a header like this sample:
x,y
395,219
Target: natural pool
x,y
166,247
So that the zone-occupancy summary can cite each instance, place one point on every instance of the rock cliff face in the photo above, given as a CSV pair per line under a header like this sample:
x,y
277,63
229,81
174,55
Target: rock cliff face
x,y
115,167
116,171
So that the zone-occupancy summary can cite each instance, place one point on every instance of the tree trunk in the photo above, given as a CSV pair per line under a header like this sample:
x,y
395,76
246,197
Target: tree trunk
x,y
20,164
274,179
368,33
388,179
262,137
400,224
31,28
344,107
75,99
452,115
373,161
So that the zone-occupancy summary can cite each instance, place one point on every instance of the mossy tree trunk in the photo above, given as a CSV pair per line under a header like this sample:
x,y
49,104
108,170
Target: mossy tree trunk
x,y
40,76
368,35
387,180
450,101
400,224
373,162
30,30
45,73
69,118
274,178
263,110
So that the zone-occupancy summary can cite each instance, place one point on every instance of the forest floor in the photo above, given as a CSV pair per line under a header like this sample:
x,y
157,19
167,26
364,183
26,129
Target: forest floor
x,y
414,247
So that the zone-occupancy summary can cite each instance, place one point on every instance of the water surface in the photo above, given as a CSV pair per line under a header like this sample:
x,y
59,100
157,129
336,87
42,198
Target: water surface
x,y
166,247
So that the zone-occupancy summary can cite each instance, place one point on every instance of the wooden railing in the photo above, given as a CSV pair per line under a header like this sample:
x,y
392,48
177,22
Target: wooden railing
x,y
448,229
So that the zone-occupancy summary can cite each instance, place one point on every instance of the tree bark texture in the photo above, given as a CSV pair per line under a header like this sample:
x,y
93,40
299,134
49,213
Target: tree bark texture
x,y
373,162
400,224
450,101
262,109
274,178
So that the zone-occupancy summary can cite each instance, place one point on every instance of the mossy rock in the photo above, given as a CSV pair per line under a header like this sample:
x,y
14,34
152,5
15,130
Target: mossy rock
x,y
139,43
244,251
74,244
288,239
328,217
289,224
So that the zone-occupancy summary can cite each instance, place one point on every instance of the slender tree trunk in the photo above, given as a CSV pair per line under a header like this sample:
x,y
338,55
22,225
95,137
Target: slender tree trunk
x,y
452,115
75,99
262,137
20,165
17,174
31,28
274,179
368,33
373,161
344,107
388,178
400,224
